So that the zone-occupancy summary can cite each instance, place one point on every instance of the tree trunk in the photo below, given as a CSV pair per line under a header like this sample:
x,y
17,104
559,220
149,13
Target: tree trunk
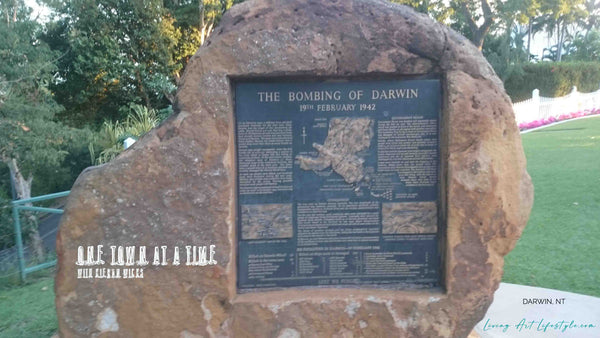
x,y
142,88
22,185
200,14
478,32
205,27
23,191
507,36
205,32
529,40
562,41
559,45
478,38
14,18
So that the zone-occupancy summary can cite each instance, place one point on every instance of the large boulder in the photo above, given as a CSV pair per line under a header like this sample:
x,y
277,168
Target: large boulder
x,y
175,186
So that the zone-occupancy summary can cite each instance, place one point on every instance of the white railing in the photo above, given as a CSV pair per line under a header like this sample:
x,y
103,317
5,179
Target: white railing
x,y
542,108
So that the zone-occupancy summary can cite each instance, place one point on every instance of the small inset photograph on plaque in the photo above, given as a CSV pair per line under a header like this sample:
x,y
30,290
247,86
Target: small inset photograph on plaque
x,y
409,218
260,221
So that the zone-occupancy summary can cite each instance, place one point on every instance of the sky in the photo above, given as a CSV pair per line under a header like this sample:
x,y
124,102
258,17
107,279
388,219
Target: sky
x,y
42,11
540,41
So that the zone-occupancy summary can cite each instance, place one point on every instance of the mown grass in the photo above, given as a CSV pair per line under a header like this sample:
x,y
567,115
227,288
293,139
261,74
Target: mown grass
x,y
28,310
560,247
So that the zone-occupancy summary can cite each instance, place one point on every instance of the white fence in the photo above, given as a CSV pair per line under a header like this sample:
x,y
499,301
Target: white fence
x,y
539,108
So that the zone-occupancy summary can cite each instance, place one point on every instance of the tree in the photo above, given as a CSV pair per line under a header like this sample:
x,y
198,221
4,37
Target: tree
x,y
558,16
506,52
194,21
436,9
25,101
117,53
521,12
461,15
592,7
469,11
30,137
586,47
122,52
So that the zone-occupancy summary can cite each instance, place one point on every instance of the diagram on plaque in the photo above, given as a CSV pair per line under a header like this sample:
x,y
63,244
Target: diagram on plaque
x,y
345,139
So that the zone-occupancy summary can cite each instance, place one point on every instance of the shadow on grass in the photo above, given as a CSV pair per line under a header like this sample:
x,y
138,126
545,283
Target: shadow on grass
x,y
548,130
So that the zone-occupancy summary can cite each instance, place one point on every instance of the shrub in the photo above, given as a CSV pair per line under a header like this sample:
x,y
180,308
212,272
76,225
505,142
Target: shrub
x,y
553,79
113,134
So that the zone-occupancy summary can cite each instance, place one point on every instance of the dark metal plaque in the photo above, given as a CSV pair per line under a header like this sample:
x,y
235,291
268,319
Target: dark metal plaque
x,y
338,183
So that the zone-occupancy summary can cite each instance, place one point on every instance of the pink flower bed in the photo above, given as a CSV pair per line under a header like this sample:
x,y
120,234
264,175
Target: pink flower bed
x,y
552,119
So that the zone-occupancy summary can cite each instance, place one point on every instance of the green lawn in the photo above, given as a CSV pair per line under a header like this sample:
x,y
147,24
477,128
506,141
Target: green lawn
x,y
560,247
28,311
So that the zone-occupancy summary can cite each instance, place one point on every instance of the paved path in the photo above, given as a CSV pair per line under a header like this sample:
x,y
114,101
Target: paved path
x,y
565,317
48,227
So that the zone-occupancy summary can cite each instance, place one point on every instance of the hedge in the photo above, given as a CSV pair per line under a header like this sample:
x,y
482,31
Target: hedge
x,y
553,79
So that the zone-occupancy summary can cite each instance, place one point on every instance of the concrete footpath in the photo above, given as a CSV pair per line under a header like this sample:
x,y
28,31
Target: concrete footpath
x,y
525,311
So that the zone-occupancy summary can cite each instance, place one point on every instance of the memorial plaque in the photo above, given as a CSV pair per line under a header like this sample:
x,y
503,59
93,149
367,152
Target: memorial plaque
x,y
338,183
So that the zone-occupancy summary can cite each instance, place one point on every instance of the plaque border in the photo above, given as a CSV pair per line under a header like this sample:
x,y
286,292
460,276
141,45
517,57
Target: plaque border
x,y
442,171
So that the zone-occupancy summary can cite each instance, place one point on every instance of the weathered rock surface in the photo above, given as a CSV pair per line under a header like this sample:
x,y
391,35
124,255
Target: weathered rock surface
x,y
176,186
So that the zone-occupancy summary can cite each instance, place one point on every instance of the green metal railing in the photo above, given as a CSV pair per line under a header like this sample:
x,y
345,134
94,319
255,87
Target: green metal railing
x,y
18,205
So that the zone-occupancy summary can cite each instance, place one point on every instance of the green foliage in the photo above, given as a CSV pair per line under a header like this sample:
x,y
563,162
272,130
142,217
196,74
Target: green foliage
x,y
112,135
54,166
437,10
26,69
192,23
508,26
28,131
585,47
7,234
40,150
504,58
164,113
110,142
116,52
35,143
142,120
557,18
506,52
520,10
553,79
53,178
